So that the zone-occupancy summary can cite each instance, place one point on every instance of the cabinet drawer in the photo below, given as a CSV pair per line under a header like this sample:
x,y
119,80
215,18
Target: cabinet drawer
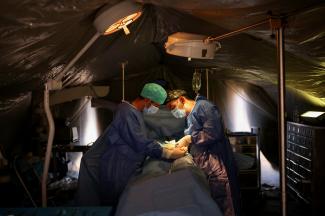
x,y
297,170
298,194
300,140
245,149
299,129
299,159
242,140
299,149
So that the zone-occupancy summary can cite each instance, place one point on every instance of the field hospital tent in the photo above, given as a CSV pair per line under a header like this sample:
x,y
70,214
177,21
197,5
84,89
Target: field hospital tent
x,y
38,38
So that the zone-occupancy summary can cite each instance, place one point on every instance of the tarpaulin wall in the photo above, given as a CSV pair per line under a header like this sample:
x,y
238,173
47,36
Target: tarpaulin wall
x,y
39,37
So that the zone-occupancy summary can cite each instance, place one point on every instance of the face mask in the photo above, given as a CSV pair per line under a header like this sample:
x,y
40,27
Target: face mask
x,y
178,113
151,110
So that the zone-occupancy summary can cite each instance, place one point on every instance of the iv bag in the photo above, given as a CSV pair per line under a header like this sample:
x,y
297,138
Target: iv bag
x,y
196,82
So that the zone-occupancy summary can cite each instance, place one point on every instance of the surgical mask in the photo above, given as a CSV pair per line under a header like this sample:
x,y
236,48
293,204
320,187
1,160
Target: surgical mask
x,y
151,110
178,113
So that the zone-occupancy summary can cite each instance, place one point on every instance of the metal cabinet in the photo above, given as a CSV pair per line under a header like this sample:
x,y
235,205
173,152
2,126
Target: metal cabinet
x,y
245,146
305,161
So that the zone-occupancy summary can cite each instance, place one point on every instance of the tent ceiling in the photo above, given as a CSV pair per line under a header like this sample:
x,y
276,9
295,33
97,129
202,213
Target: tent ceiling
x,y
39,36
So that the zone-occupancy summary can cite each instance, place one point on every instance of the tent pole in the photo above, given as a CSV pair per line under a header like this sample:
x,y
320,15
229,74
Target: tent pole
x,y
279,26
49,143
123,80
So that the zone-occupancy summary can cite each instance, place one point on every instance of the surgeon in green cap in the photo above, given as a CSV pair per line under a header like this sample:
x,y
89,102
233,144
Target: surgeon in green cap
x,y
120,151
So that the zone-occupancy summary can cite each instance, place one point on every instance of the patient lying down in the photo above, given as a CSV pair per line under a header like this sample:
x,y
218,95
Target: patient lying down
x,y
154,167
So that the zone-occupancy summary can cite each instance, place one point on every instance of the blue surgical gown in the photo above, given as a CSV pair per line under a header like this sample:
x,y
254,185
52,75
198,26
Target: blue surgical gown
x,y
213,154
115,157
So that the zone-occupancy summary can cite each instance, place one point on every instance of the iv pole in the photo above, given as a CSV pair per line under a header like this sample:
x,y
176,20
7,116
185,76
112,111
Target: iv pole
x,y
123,79
207,81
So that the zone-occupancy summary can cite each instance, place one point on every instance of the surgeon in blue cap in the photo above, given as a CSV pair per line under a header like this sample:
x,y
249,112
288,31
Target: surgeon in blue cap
x,y
209,146
120,151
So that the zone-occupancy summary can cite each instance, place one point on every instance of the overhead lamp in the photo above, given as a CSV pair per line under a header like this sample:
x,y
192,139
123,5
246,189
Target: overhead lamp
x,y
109,20
113,18
191,46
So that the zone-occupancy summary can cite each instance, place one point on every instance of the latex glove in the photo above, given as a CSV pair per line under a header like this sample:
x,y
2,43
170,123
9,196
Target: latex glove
x,y
174,153
183,148
185,141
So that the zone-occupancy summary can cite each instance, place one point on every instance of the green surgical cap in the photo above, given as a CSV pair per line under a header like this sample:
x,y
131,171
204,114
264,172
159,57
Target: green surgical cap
x,y
154,92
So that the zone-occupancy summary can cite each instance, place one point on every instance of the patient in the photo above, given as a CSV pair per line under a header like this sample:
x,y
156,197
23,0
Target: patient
x,y
155,167
166,129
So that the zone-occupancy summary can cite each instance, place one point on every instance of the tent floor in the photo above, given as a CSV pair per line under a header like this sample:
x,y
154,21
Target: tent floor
x,y
268,204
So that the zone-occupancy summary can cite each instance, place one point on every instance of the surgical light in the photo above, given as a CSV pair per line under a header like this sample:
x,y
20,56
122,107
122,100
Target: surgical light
x,y
119,16
312,114
191,46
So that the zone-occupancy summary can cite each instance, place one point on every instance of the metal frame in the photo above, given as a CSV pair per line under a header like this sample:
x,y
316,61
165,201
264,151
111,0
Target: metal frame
x,y
276,24
281,111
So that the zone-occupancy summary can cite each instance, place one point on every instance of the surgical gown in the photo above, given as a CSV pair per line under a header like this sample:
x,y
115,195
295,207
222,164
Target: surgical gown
x,y
115,157
213,154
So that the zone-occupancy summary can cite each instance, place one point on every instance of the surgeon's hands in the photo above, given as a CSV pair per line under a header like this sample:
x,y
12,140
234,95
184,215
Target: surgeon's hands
x,y
174,153
185,141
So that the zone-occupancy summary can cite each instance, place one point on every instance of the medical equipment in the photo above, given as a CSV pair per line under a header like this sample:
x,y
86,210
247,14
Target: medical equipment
x,y
196,82
109,20
191,46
